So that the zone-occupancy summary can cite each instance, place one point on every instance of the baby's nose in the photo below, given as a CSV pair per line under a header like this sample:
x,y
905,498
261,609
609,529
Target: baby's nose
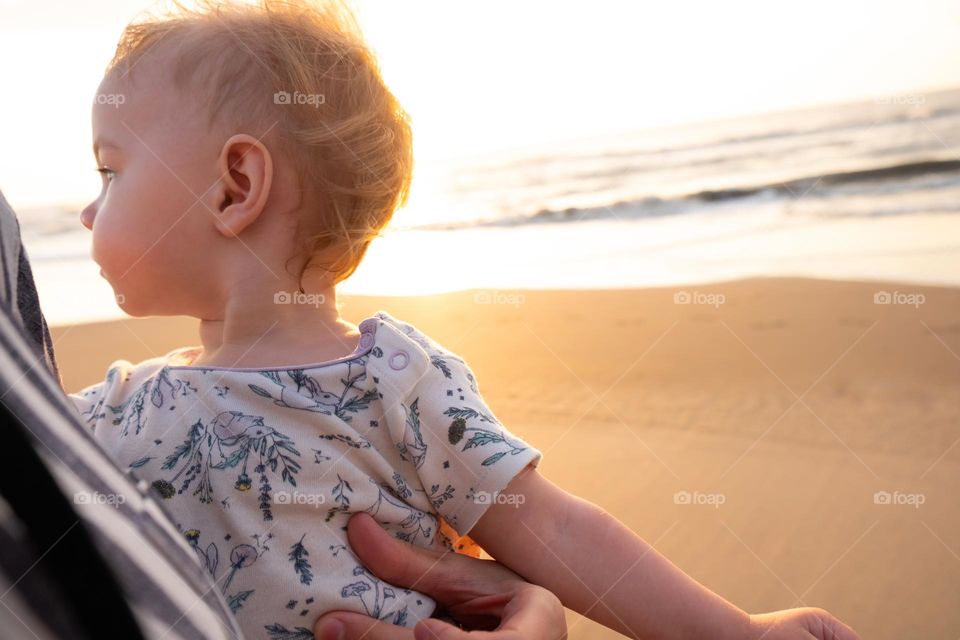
x,y
87,215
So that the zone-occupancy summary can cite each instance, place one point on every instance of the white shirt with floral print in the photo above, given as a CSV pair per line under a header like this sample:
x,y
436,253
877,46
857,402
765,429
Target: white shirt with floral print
x,y
261,468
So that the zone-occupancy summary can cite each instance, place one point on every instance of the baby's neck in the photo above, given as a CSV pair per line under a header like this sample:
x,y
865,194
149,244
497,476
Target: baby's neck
x,y
296,331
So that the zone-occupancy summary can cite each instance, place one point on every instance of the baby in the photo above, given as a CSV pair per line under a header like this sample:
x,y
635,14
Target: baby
x,y
249,154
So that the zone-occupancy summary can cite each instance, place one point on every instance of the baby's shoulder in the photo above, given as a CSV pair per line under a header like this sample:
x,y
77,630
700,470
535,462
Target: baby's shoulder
x,y
399,332
124,377
410,359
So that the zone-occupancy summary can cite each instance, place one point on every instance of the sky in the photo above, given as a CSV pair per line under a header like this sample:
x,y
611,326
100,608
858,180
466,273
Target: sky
x,y
491,76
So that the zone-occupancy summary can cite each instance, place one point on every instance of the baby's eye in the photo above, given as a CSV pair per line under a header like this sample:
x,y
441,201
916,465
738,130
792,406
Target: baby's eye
x,y
106,172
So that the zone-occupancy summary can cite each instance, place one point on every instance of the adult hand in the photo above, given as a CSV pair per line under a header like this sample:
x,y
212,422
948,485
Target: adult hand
x,y
481,594
807,623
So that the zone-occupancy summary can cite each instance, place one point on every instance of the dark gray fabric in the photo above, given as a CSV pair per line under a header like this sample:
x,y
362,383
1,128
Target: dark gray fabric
x,y
168,589
19,293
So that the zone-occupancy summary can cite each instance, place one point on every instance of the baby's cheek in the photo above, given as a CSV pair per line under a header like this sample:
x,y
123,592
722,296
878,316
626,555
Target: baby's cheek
x,y
108,247
123,254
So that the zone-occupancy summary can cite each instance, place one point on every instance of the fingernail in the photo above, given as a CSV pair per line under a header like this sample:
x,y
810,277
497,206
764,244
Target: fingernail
x,y
332,630
424,631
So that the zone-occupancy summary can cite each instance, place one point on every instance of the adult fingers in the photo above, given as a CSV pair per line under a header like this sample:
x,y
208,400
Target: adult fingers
x,y
838,630
432,629
532,613
470,588
345,625
444,575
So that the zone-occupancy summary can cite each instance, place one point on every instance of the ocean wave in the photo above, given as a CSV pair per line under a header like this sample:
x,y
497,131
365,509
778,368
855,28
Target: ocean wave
x,y
878,181
805,184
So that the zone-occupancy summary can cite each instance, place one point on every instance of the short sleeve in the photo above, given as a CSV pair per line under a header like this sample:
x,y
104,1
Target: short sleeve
x,y
463,455
89,402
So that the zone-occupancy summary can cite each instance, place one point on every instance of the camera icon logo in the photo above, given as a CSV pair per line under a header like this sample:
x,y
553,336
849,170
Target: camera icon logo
x,y
281,97
482,497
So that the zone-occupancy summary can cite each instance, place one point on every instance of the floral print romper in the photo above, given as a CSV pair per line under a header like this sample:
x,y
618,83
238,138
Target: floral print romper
x,y
261,468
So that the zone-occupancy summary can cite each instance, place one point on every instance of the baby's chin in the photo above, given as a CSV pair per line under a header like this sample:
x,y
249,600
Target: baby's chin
x,y
131,306
137,309
140,302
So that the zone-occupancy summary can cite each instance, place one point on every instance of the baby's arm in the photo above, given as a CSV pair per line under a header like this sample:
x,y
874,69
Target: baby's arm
x,y
598,567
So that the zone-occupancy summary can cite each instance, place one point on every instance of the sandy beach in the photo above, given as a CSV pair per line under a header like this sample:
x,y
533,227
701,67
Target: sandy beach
x,y
744,428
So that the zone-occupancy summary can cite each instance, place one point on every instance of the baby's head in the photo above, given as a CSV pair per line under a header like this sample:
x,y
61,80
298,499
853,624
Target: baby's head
x,y
243,148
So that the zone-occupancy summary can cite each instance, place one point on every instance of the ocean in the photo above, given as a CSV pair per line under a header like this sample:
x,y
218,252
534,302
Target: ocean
x,y
865,191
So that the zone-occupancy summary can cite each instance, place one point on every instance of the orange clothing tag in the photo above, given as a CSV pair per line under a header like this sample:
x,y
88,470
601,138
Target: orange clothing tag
x,y
458,543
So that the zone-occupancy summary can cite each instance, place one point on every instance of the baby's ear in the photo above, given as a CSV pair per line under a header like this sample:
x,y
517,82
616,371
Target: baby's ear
x,y
246,173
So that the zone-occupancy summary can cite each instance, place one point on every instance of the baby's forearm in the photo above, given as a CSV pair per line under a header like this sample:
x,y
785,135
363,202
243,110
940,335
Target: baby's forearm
x,y
609,574
600,568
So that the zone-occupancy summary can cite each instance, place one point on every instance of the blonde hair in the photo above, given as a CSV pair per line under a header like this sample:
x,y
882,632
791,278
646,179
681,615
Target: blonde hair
x,y
301,72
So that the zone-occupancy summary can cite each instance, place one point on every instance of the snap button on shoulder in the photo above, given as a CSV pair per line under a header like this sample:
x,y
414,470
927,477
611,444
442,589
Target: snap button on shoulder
x,y
366,340
399,359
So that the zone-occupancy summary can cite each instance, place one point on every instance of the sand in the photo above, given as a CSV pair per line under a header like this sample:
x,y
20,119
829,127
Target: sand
x,y
791,401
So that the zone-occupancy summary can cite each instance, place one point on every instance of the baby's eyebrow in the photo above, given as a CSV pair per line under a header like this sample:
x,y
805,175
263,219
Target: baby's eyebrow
x,y
101,143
